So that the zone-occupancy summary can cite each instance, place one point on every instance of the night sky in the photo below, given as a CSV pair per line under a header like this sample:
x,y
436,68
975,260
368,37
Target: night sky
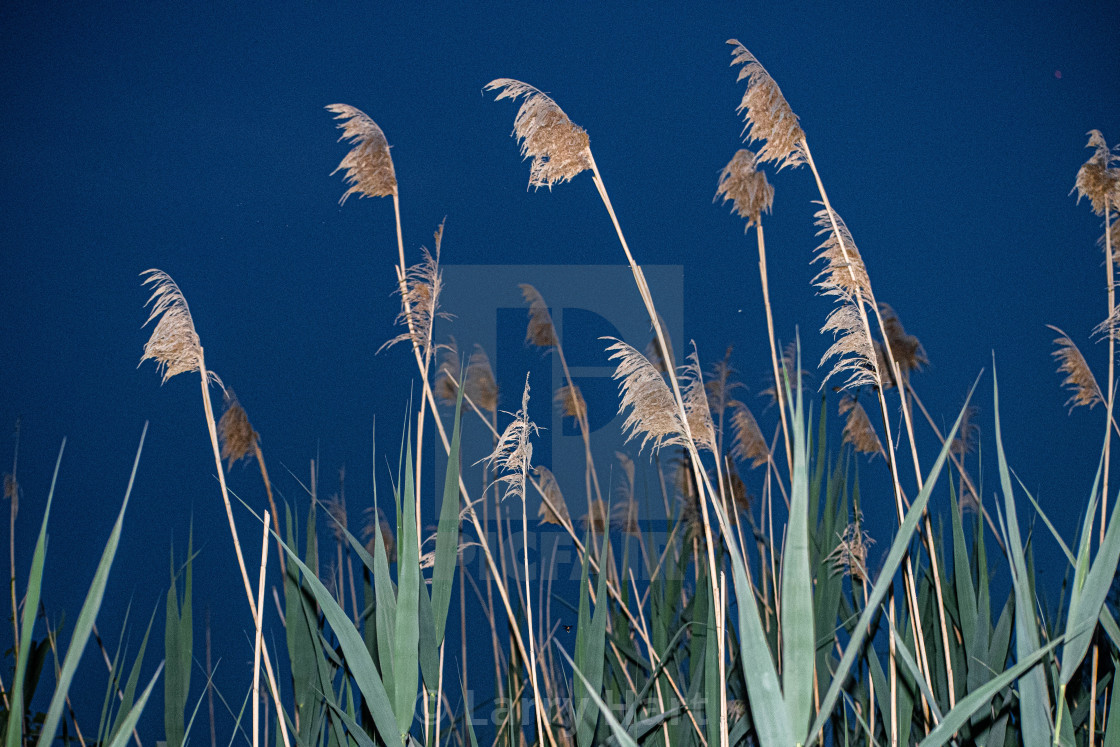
x,y
193,138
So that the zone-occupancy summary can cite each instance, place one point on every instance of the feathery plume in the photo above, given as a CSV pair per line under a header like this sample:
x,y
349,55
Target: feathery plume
x,y
766,113
481,386
746,187
514,452
844,271
1079,378
1110,327
420,302
749,443
858,430
720,384
235,431
541,331
626,492
557,513
907,349
967,434
653,350
696,408
559,148
653,413
368,165
174,344
850,556
596,519
449,367
624,517
336,509
571,402
1097,179
789,364
851,350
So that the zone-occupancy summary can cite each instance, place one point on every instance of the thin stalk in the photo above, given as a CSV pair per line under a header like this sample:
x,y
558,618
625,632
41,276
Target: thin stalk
x,y
271,506
212,427
210,685
770,331
1111,366
532,662
13,507
259,622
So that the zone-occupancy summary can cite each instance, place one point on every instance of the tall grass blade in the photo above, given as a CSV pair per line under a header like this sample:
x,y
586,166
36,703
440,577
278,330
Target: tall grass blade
x,y
447,535
354,652
27,622
799,650
1034,700
617,730
129,693
178,640
83,627
590,647
975,700
129,722
407,636
886,575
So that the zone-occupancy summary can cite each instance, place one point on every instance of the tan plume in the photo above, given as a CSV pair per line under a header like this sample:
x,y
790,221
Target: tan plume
x,y
368,165
766,113
541,331
448,372
653,413
235,431
850,555
174,344
513,454
624,517
851,353
746,187
559,148
749,442
696,407
376,522
420,303
626,491
481,386
1079,378
967,433
653,350
858,430
336,509
571,402
557,512
1097,179
844,271
597,518
907,349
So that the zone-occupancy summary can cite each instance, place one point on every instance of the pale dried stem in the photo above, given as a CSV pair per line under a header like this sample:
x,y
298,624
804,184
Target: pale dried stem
x,y
778,388
259,623
1108,262
908,575
213,429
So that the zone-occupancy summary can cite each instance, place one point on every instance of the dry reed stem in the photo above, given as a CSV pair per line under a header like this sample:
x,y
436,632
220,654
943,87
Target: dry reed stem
x,y
257,638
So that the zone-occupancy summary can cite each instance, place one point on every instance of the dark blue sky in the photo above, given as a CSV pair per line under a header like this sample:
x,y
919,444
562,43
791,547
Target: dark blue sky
x,y
193,139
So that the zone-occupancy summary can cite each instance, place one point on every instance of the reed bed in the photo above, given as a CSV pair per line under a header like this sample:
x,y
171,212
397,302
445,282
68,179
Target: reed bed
x,y
756,609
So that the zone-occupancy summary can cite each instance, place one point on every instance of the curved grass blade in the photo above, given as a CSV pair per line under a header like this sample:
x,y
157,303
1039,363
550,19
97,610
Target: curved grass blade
x,y
447,534
975,700
83,627
1034,700
27,621
129,722
406,664
620,734
886,575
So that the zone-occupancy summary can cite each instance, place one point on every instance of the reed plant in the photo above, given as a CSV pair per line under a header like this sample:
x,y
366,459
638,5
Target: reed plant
x,y
738,624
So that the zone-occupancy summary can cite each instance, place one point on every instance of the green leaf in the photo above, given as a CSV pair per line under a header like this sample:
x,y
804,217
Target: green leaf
x,y
129,692
620,734
406,665
882,583
133,716
447,534
591,646
354,651
1034,700
178,638
798,638
27,622
968,705
83,628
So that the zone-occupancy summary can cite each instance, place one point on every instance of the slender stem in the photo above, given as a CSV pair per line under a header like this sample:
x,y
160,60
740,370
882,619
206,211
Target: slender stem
x,y
1108,260
257,639
770,331
271,506
209,410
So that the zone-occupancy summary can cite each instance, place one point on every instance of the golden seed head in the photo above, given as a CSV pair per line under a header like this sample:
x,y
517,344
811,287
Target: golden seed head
x,y
368,165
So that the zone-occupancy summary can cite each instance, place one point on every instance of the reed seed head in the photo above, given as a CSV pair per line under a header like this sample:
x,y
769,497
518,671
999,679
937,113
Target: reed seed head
x,y
235,431
514,452
858,430
1079,378
749,444
571,402
907,349
696,407
557,512
653,413
174,344
597,518
559,148
368,165
1097,179
766,113
541,331
746,187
